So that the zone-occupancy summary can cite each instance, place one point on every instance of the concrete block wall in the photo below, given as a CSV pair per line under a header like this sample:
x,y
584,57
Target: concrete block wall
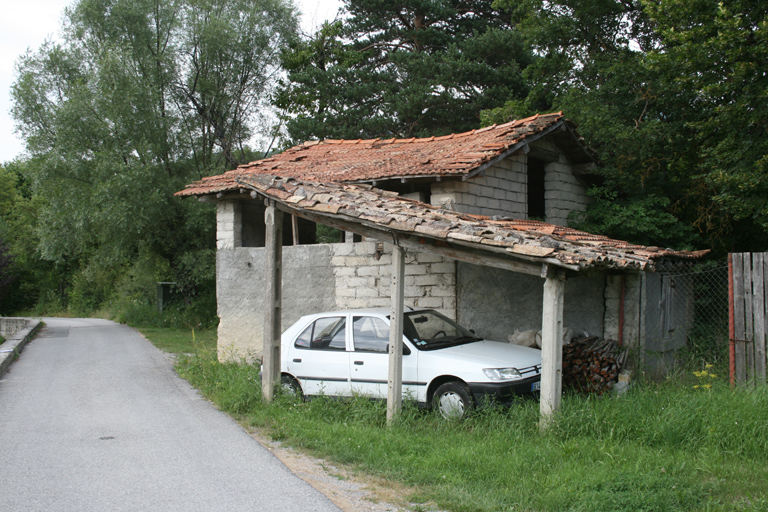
x,y
229,224
500,191
316,278
503,188
363,281
564,193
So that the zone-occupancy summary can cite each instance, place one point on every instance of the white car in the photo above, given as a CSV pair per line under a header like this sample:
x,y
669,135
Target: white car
x,y
445,366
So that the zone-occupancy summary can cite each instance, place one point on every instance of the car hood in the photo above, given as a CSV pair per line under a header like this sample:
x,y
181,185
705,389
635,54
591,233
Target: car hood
x,y
491,354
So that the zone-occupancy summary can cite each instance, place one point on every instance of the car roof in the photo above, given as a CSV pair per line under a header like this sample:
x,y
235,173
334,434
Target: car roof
x,y
364,311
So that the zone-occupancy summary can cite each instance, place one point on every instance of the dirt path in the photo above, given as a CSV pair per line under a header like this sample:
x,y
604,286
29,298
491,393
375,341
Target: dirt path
x,y
348,491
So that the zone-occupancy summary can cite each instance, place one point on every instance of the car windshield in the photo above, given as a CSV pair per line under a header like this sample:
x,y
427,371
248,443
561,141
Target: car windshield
x,y
429,330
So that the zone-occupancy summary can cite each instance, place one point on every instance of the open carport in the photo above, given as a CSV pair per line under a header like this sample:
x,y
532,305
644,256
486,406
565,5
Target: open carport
x,y
549,252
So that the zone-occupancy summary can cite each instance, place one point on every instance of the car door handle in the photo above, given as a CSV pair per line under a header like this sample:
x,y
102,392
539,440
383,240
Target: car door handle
x,y
359,363
297,360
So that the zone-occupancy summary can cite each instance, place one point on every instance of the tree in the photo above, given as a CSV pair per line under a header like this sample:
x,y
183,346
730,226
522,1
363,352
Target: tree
x,y
141,97
671,95
718,54
401,69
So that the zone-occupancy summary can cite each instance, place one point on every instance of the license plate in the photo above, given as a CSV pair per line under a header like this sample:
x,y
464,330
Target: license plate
x,y
536,386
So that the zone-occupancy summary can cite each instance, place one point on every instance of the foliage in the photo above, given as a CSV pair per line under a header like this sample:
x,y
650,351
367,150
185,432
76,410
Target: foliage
x,y
663,446
671,95
402,69
6,275
140,98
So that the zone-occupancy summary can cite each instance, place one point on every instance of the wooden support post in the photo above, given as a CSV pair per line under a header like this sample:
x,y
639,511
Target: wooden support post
x,y
551,348
270,377
395,376
295,229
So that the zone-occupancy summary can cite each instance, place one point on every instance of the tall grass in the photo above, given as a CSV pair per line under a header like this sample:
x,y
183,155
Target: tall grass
x,y
665,447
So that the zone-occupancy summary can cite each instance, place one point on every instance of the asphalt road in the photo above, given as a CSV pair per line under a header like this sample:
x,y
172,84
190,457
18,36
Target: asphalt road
x,y
93,418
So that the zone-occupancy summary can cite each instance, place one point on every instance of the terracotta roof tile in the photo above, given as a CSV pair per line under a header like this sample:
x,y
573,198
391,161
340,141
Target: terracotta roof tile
x,y
376,159
529,239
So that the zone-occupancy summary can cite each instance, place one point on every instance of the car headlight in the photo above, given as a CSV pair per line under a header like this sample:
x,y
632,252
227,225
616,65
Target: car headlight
x,y
502,373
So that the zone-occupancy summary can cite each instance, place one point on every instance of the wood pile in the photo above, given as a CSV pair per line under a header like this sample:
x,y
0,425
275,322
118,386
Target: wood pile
x,y
591,365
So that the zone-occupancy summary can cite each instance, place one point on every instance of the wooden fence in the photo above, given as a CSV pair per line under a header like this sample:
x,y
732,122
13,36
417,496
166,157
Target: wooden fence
x,y
747,275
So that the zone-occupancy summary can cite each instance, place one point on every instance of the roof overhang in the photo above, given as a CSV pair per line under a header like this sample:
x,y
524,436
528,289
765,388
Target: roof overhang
x,y
529,247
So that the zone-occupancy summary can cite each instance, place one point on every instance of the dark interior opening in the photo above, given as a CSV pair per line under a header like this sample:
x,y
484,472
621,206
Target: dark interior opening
x,y
536,189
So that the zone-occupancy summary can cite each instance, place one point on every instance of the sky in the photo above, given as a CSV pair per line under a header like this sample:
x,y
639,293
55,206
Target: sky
x,y
26,24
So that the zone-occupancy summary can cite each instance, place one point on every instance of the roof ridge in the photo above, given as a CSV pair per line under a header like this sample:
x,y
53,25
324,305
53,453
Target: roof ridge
x,y
408,140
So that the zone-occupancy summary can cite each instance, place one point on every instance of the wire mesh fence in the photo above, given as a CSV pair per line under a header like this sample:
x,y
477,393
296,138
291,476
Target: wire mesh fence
x,y
687,315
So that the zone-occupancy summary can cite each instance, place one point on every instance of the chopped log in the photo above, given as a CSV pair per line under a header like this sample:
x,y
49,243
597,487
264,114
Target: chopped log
x,y
592,365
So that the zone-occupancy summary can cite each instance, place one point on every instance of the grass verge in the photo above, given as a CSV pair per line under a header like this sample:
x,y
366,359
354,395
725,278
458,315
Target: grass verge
x,y
667,447
181,341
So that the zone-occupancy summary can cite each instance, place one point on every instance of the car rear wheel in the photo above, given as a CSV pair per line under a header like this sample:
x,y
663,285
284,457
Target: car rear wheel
x,y
453,400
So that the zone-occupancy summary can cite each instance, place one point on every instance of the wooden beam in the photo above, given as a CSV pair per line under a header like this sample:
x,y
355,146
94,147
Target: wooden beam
x,y
295,229
270,377
395,374
421,243
551,348
545,155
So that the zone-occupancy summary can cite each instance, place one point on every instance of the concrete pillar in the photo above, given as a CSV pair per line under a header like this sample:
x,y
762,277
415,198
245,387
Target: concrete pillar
x,y
270,378
551,348
395,377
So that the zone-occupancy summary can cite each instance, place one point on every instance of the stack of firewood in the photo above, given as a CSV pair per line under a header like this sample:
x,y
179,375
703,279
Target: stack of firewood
x,y
591,365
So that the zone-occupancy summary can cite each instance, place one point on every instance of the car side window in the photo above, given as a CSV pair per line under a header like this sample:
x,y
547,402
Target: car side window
x,y
324,334
370,334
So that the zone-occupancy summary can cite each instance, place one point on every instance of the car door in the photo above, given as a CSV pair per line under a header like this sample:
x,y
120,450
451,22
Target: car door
x,y
320,359
369,364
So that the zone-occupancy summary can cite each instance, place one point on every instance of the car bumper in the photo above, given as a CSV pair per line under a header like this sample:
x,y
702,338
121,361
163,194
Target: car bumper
x,y
504,392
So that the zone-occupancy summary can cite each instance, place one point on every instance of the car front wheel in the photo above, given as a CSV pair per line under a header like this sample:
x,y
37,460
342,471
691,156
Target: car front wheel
x,y
453,400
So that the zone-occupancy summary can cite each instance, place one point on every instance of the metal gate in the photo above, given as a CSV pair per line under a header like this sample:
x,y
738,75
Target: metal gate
x,y
747,273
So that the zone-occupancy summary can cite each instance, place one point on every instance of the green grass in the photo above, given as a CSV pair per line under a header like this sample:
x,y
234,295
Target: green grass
x,y
181,341
658,447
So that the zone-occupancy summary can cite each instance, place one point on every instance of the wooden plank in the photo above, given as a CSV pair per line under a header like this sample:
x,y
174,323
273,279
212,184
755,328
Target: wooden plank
x,y
738,318
758,310
395,373
295,229
749,334
765,304
272,310
551,349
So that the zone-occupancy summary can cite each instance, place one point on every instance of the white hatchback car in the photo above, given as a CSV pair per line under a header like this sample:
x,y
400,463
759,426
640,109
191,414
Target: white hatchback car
x,y
445,366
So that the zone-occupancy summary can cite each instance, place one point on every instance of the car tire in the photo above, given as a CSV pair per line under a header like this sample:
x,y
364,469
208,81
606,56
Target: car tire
x,y
290,385
453,400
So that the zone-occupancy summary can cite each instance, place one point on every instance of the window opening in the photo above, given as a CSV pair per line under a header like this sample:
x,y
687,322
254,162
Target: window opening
x,y
536,189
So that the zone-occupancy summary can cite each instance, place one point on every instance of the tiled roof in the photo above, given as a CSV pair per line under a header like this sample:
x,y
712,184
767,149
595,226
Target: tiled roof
x,y
345,161
523,239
